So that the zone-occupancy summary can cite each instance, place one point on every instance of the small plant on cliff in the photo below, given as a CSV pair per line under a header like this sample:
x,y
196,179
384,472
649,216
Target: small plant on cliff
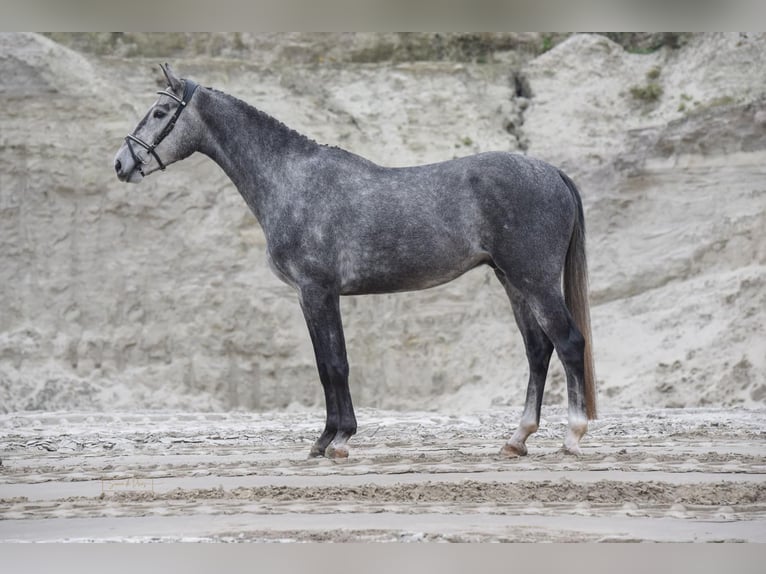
x,y
648,93
654,73
651,91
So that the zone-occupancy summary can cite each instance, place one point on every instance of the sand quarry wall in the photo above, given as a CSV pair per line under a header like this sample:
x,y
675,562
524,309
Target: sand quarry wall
x,y
159,295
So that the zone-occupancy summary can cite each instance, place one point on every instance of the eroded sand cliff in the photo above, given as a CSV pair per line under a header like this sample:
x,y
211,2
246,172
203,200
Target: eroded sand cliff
x,y
159,295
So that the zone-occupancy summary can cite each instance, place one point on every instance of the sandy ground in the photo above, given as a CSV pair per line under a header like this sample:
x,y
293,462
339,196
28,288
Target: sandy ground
x,y
664,475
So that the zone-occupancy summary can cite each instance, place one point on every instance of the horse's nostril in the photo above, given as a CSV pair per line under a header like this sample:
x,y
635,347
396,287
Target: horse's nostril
x,y
118,166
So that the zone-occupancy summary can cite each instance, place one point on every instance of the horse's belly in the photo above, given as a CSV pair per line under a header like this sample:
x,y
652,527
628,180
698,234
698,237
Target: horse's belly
x,y
408,274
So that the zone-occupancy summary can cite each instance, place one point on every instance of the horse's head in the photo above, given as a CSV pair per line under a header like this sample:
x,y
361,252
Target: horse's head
x,y
168,132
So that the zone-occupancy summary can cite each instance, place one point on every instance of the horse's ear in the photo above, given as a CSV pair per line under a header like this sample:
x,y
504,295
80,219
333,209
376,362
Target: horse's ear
x,y
173,81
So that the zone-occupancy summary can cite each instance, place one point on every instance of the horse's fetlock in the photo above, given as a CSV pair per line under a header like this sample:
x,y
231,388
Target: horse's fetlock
x,y
347,429
530,427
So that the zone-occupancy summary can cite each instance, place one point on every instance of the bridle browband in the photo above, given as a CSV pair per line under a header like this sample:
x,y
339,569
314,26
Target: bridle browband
x,y
189,88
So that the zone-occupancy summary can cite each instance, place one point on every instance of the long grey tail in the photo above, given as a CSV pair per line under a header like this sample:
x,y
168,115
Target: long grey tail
x,y
576,296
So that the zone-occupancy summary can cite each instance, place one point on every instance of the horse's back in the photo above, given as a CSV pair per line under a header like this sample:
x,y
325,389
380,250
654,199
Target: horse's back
x,y
498,197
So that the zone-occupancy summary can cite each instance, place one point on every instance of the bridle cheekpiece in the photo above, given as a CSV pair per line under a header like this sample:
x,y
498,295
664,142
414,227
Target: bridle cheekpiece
x,y
189,88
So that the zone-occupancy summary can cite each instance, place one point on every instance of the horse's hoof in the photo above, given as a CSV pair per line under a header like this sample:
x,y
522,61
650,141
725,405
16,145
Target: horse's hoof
x,y
513,450
571,450
316,451
336,451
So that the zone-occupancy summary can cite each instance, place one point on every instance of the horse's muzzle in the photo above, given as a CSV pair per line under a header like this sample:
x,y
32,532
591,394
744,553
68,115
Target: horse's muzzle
x,y
122,173
126,170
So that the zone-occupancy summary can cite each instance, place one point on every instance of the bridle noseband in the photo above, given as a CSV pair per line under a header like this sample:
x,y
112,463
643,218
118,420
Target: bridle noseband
x,y
189,88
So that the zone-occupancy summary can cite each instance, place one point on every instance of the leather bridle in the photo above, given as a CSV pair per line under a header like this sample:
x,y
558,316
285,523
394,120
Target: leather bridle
x,y
189,88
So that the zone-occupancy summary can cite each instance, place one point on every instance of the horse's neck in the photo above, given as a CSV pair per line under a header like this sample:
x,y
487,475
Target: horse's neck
x,y
251,147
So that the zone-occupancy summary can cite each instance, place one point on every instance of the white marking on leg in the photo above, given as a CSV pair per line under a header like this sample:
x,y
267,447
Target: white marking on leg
x,y
338,448
578,426
516,445
527,426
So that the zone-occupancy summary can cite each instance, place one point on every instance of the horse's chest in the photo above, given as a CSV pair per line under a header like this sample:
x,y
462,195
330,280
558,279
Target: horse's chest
x,y
297,258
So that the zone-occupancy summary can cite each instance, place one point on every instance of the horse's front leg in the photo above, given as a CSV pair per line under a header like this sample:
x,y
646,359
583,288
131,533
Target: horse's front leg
x,y
321,308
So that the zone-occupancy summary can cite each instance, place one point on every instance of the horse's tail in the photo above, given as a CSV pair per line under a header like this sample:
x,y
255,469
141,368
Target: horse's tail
x,y
576,296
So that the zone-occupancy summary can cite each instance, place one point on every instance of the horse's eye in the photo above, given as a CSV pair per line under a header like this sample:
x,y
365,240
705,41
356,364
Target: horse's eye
x,y
159,114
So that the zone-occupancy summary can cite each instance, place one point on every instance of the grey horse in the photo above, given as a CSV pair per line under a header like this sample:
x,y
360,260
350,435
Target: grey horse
x,y
337,224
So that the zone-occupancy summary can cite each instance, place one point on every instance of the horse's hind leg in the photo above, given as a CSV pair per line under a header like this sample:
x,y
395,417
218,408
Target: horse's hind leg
x,y
539,350
321,310
549,309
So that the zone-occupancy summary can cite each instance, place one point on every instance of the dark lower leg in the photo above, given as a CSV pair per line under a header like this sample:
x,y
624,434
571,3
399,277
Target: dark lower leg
x,y
331,422
539,350
530,418
347,422
322,312
572,357
557,323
